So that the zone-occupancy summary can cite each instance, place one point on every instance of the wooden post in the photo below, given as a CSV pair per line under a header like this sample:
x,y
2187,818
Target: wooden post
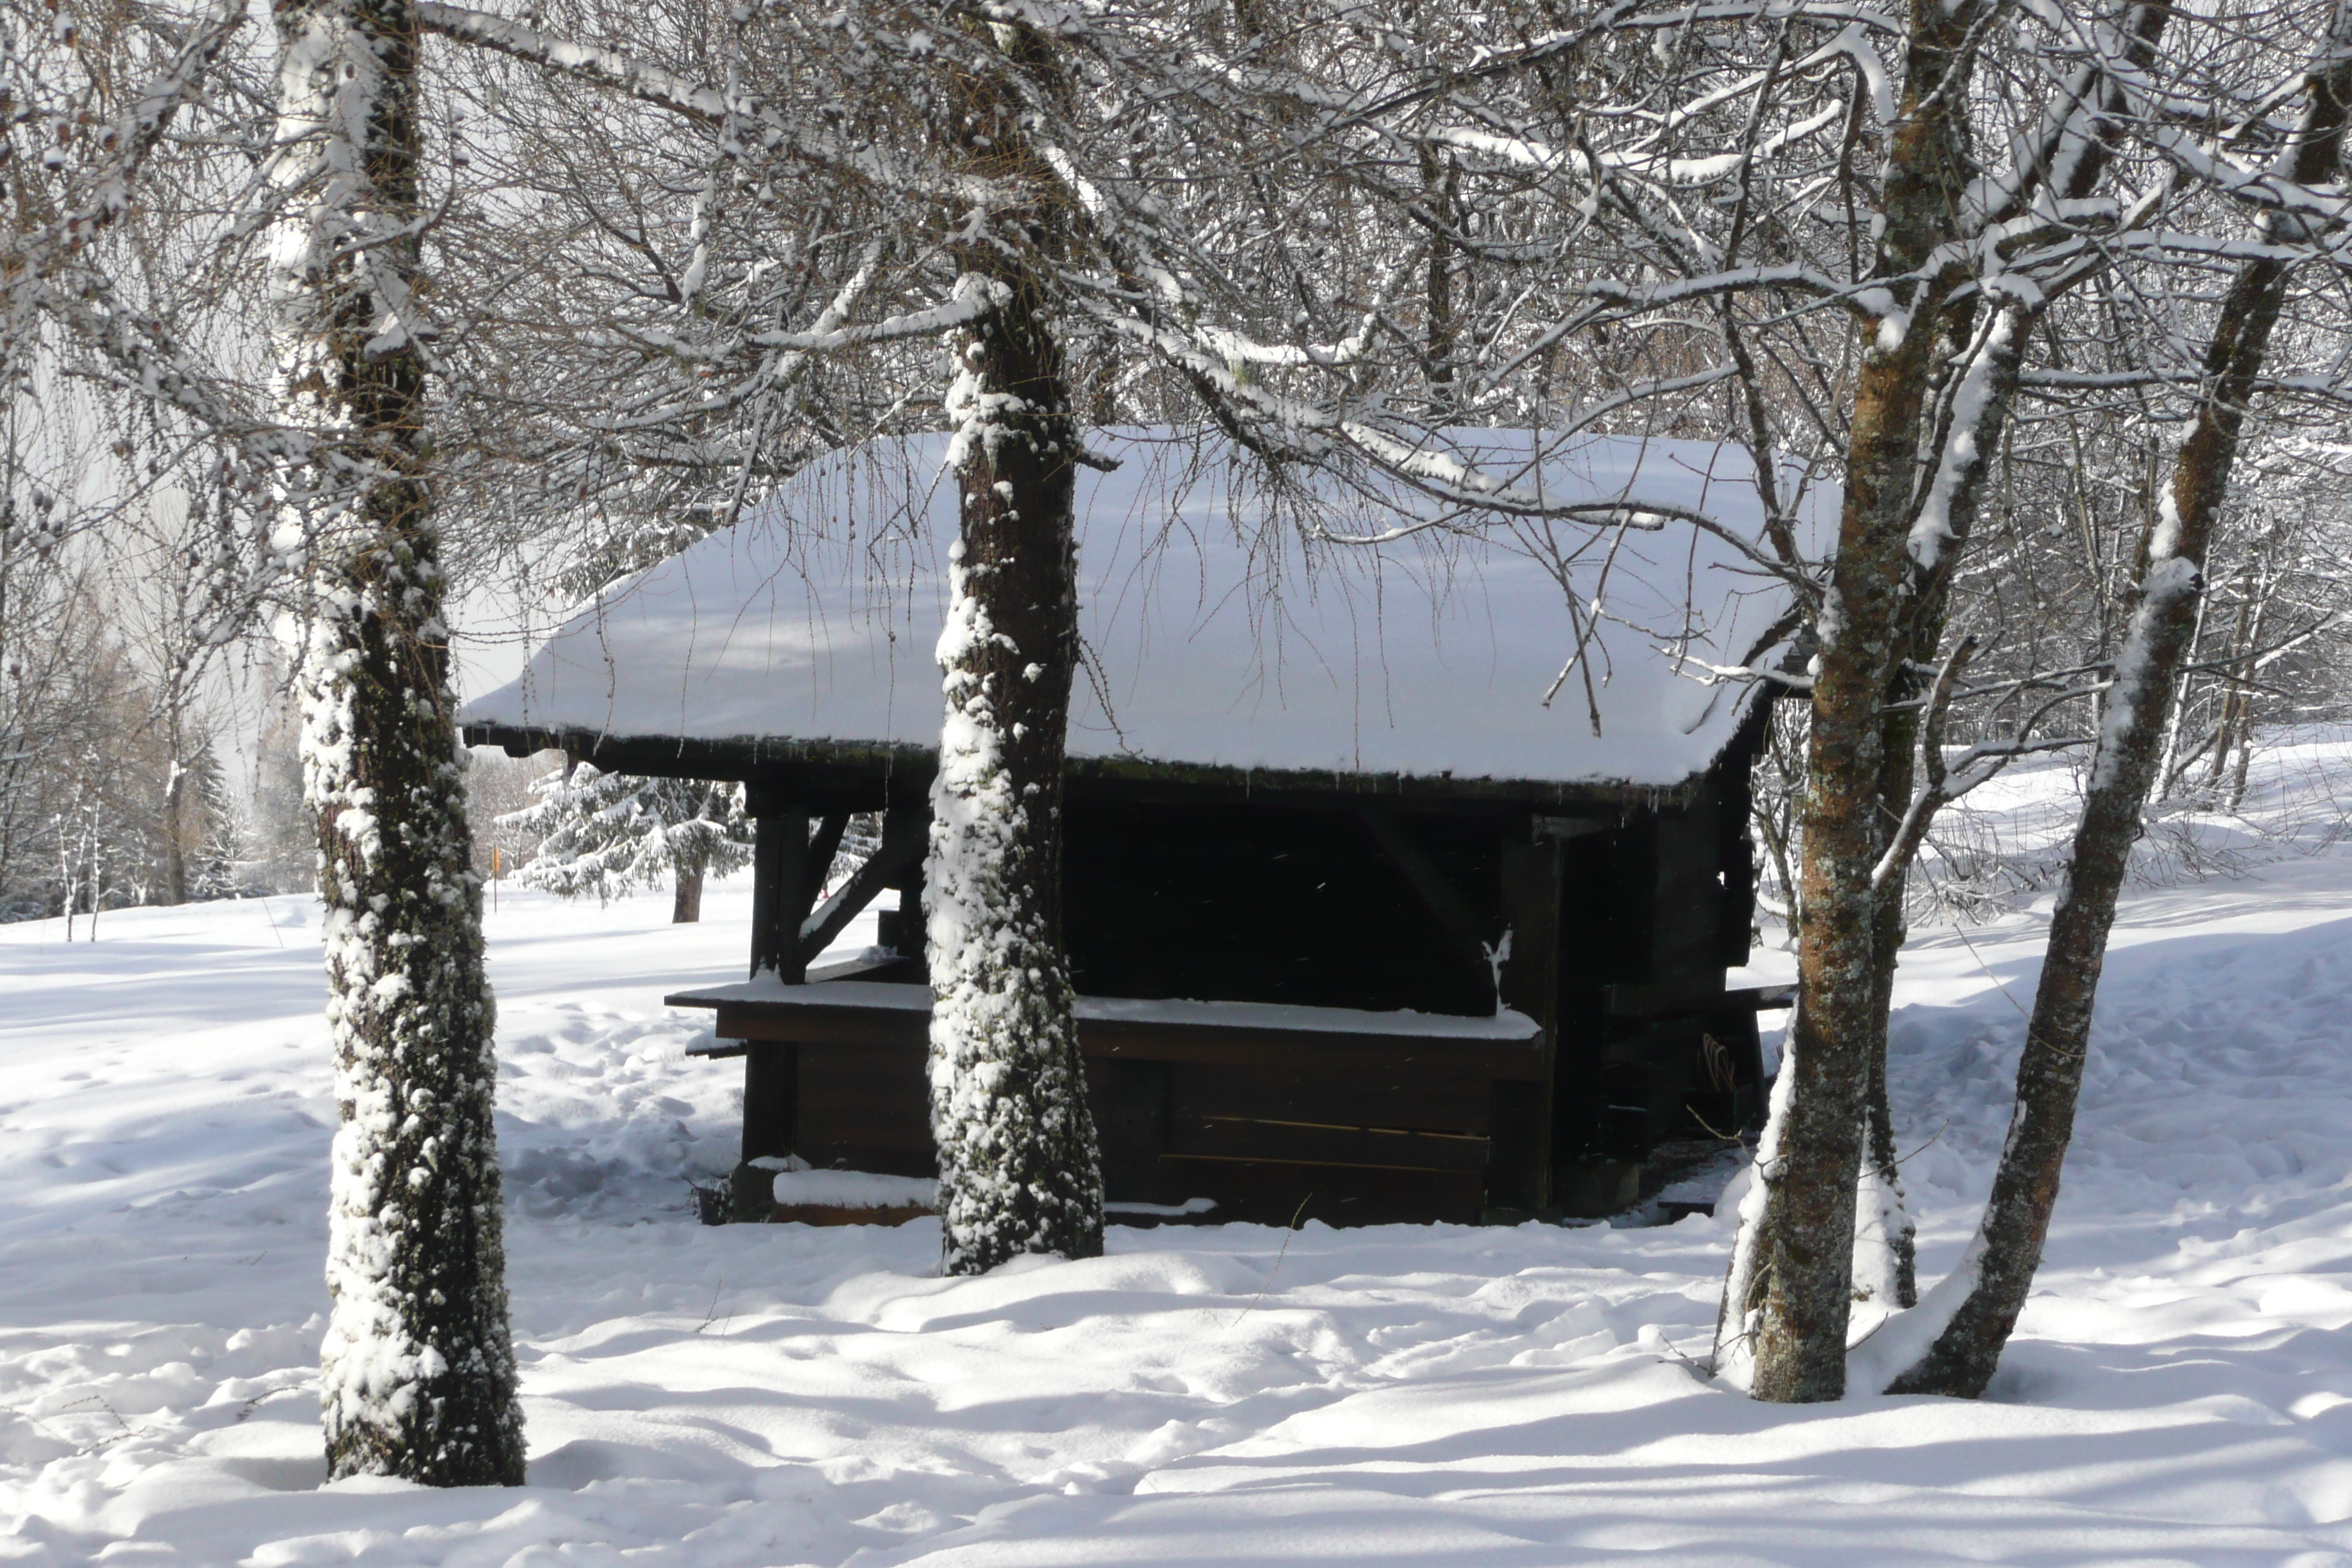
x,y
771,1115
782,884
1606,879
904,931
1518,1160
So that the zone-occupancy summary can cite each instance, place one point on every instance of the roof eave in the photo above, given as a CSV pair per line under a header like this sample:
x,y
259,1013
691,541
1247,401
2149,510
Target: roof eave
x,y
867,774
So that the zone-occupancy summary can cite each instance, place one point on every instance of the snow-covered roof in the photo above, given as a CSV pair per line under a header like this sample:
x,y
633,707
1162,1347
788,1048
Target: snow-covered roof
x,y
1222,624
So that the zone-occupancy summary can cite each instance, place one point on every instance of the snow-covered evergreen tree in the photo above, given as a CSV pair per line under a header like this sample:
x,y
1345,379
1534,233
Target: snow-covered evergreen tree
x,y
218,867
417,1374
608,834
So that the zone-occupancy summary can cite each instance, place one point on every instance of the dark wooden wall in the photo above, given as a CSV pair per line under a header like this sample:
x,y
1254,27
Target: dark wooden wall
x,y
1622,921
1310,906
1649,1049
1272,1126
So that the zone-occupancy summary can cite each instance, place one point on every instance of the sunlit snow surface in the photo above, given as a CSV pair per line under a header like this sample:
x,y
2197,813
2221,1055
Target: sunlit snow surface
x,y
2181,1391
1215,632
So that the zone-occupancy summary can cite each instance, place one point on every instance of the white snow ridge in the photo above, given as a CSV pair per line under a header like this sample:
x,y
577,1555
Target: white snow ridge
x,y
2180,1391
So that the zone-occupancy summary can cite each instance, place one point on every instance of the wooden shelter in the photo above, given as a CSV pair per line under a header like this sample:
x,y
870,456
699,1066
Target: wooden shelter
x,y
1376,913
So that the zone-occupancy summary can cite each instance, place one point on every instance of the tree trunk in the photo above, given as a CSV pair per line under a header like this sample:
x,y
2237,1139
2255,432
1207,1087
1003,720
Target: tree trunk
x,y
176,853
66,876
97,872
2225,733
2245,757
2168,767
1882,1213
2006,1253
1804,1253
1019,1168
2240,729
1978,365
1986,369
686,901
417,1377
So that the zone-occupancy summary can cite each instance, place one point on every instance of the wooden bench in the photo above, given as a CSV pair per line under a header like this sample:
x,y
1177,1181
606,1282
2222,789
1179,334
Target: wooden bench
x,y
1272,1111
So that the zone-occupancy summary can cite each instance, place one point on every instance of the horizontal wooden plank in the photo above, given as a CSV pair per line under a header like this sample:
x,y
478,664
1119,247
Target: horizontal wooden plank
x,y
821,1025
877,1158
1644,1001
1280,1091
809,1019
1269,1191
872,1099
1233,1138
1316,1052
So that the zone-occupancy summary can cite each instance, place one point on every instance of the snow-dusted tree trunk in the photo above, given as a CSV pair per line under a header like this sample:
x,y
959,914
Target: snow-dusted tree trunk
x,y
1019,1167
175,850
418,1377
1801,1278
1972,1314
686,894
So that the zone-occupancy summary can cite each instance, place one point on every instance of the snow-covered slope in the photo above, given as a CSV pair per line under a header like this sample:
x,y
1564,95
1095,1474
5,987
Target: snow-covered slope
x,y
2181,1392
1212,635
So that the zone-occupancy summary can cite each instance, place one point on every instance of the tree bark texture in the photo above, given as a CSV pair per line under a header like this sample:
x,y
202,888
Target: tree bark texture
x,y
418,1377
686,897
1805,1251
1987,342
1985,376
2016,1223
175,850
1020,1170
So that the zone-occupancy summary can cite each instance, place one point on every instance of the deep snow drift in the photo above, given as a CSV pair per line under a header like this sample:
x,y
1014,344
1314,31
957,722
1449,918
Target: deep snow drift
x,y
2182,1390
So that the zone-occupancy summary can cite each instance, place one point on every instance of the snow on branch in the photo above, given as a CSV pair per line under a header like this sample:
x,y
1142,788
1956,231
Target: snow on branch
x,y
107,190
968,306
2270,189
1944,781
651,84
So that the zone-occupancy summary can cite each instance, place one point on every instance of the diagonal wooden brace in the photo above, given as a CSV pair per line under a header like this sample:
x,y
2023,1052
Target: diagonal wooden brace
x,y
904,840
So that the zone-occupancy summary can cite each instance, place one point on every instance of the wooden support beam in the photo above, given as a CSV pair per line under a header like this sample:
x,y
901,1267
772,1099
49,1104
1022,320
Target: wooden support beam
x,y
902,931
781,886
822,847
770,1084
1429,885
1518,1170
904,839
1662,1002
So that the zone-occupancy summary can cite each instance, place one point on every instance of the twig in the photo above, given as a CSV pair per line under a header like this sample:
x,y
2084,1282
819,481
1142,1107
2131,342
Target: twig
x,y
1938,1133
1288,1231
1709,1126
712,1311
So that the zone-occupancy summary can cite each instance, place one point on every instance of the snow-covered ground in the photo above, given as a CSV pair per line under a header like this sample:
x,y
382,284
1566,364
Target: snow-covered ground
x,y
2180,1390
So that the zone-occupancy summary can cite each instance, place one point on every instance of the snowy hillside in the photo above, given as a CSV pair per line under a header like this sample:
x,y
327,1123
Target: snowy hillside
x,y
2182,1390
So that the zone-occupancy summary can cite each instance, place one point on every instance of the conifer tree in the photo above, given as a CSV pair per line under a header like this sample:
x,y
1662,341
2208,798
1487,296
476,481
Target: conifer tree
x,y
609,834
